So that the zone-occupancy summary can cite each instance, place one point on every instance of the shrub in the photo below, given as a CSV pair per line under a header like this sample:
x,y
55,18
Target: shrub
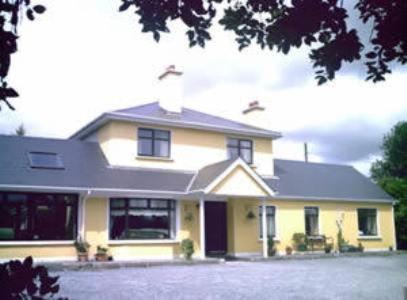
x,y
101,250
20,280
300,241
187,247
360,247
328,248
271,250
82,246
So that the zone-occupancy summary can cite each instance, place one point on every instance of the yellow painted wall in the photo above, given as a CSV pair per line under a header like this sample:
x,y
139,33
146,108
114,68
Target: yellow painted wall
x,y
37,251
290,219
239,183
119,143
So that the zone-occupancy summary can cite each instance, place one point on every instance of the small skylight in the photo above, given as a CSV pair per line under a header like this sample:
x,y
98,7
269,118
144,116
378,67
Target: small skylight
x,y
45,160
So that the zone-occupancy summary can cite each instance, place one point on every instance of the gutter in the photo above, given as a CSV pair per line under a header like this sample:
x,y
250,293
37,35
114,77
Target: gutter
x,y
89,128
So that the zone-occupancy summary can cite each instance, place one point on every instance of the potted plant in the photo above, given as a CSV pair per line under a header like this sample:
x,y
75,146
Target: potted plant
x,y
82,248
328,248
271,250
360,247
189,216
250,215
101,253
300,241
187,248
288,250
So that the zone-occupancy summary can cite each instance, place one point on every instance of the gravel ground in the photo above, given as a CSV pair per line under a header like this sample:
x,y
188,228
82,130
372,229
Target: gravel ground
x,y
335,278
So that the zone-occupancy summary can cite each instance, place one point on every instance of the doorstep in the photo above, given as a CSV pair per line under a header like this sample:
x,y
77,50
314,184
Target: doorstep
x,y
98,265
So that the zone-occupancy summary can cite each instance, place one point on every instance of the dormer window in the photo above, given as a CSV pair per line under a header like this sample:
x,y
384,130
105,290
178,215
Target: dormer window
x,y
153,142
240,147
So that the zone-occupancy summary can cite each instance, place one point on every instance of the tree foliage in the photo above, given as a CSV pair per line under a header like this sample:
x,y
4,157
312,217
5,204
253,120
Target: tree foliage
x,y
319,25
391,174
11,12
21,280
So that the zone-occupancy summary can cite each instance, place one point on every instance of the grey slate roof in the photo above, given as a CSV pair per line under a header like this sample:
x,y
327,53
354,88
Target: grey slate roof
x,y
208,173
152,113
85,167
301,179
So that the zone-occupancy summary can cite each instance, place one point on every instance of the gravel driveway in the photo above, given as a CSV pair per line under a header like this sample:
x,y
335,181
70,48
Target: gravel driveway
x,y
335,278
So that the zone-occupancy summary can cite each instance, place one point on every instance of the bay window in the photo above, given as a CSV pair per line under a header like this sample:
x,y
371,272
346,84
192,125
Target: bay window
x,y
138,219
38,216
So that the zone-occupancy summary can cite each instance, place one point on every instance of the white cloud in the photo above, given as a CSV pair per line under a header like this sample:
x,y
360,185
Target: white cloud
x,y
82,58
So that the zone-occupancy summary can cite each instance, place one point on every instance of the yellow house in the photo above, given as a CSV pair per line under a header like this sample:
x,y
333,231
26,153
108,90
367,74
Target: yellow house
x,y
142,179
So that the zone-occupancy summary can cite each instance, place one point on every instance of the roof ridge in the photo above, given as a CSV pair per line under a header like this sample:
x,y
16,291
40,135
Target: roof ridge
x,y
132,107
46,138
227,119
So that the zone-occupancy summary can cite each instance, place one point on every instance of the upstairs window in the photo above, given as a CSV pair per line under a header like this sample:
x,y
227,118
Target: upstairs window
x,y
153,142
367,221
240,148
311,221
45,160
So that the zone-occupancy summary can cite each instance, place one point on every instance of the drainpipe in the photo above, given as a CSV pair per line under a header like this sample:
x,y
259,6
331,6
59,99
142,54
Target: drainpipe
x,y
81,214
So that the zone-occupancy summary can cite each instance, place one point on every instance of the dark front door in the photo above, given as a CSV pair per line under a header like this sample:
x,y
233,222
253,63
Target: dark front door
x,y
215,228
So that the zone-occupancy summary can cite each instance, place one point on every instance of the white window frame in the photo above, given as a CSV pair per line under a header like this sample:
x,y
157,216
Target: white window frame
x,y
174,240
241,138
378,233
276,236
319,219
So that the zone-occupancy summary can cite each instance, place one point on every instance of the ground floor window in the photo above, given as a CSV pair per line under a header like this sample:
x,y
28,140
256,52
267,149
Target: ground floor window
x,y
311,221
38,216
140,218
270,221
367,221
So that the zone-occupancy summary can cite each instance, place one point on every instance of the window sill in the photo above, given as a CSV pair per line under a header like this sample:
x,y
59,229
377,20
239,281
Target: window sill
x,y
276,239
141,242
35,243
156,158
370,237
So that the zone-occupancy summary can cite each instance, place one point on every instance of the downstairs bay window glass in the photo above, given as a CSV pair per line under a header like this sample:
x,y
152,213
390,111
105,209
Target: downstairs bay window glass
x,y
142,219
38,217
367,221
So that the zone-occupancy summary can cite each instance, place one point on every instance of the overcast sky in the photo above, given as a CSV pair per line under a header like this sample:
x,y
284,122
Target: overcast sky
x,y
82,58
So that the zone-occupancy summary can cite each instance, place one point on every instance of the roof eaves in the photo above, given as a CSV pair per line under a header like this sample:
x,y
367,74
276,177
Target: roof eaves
x,y
344,199
194,125
90,127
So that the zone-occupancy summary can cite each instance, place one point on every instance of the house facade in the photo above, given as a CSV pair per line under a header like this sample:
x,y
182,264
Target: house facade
x,y
140,180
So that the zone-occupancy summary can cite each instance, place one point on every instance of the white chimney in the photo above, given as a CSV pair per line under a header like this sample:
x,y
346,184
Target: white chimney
x,y
256,115
170,90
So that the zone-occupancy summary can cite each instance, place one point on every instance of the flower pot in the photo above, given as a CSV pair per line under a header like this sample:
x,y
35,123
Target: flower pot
x,y
101,257
83,256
